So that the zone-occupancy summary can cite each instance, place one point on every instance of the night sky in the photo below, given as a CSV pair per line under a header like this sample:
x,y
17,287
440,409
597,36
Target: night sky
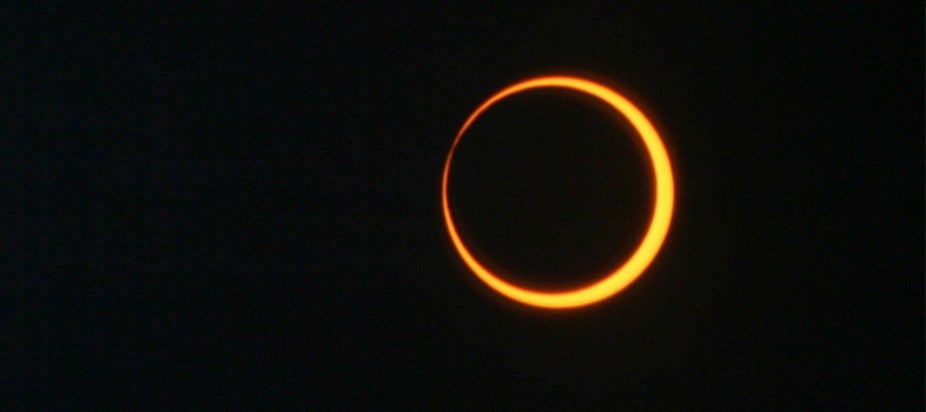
x,y
240,206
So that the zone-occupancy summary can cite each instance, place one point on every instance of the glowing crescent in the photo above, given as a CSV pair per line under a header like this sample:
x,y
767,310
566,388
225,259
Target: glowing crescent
x,y
655,235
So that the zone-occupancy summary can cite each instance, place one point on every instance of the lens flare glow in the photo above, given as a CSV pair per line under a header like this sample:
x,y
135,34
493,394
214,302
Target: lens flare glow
x,y
652,241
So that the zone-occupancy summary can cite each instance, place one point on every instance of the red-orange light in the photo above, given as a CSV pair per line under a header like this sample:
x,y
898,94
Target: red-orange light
x,y
652,241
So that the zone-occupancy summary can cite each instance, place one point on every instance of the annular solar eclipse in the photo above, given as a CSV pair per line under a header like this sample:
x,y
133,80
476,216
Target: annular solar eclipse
x,y
626,272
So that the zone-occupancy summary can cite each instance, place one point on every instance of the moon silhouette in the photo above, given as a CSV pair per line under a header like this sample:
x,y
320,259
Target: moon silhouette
x,y
624,274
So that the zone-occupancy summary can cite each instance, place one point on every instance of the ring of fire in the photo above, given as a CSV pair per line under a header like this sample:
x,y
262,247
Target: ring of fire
x,y
652,241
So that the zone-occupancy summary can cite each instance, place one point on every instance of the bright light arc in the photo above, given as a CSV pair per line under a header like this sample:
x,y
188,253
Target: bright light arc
x,y
652,241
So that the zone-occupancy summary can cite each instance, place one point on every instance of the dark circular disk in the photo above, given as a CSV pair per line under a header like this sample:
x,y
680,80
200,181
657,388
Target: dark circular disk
x,y
551,189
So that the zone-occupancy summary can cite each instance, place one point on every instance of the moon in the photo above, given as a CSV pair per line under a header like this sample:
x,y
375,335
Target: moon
x,y
628,271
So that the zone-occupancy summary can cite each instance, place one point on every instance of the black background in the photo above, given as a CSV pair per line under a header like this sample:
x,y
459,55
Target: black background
x,y
240,206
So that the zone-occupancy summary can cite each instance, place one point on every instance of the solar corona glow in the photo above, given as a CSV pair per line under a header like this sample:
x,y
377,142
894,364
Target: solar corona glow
x,y
624,274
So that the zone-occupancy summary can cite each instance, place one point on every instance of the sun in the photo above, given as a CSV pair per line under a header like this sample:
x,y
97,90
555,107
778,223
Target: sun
x,y
641,258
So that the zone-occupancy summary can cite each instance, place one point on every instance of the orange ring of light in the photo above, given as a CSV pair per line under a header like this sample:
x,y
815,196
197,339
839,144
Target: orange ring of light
x,y
652,241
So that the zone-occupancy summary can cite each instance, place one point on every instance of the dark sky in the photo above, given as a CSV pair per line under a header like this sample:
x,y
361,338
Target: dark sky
x,y
241,205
